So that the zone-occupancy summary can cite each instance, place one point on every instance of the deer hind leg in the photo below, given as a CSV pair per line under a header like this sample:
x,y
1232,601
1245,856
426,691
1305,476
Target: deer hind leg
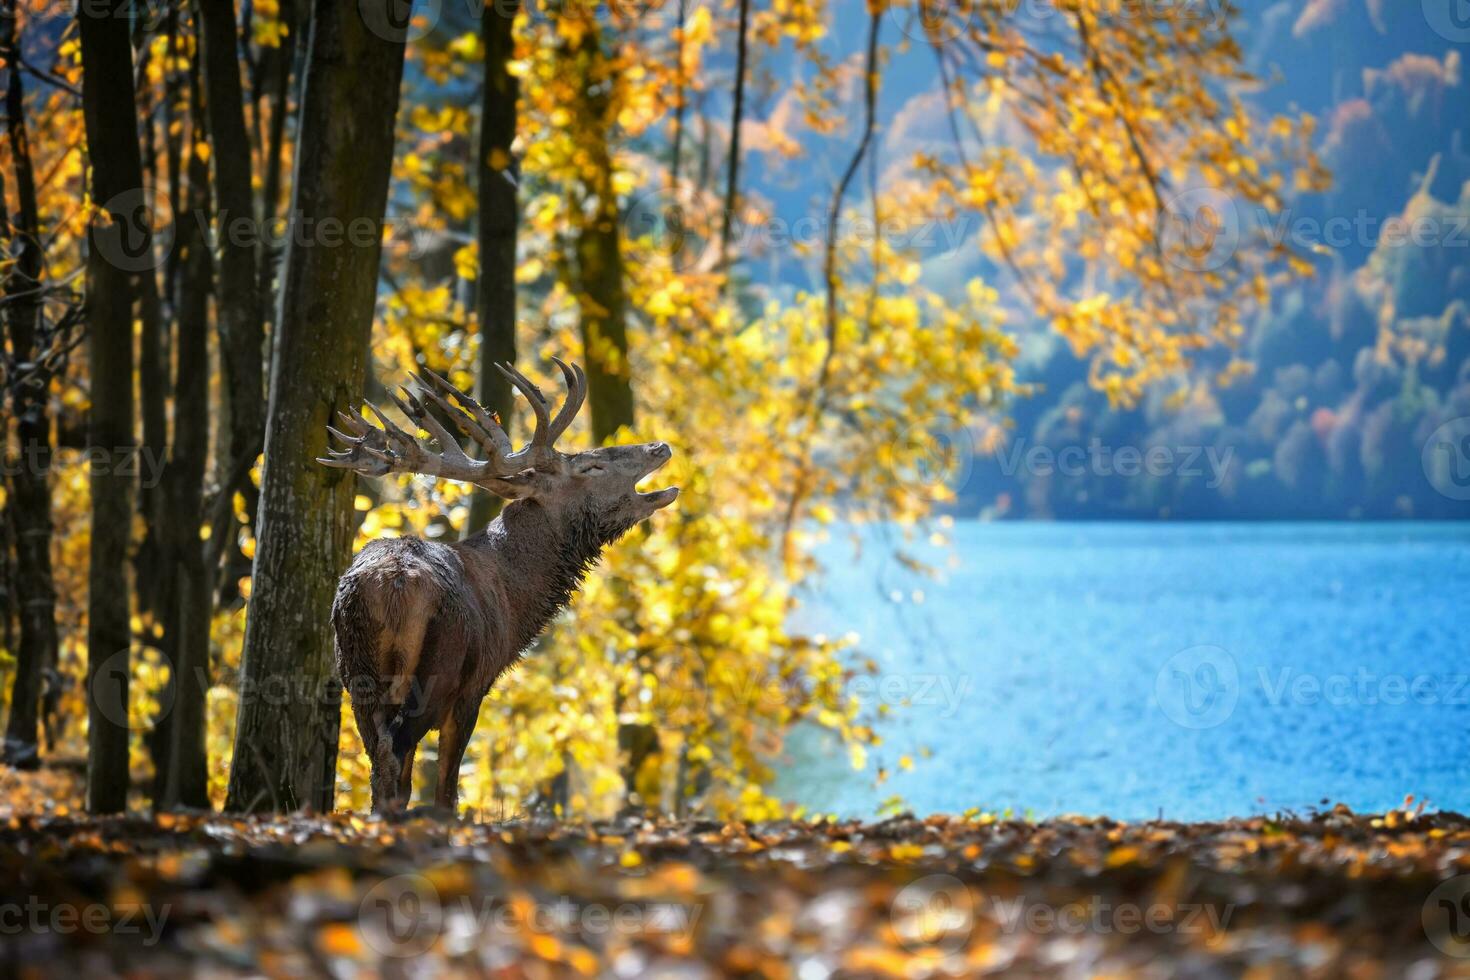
x,y
454,738
407,729
405,776
373,730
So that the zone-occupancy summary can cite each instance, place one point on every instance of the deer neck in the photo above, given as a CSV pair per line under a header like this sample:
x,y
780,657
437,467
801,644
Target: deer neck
x,y
543,561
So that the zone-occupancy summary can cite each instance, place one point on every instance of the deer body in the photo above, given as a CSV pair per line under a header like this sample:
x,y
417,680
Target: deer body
x,y
424,629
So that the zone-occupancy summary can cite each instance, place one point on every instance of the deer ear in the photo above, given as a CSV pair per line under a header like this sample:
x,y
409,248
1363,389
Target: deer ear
x,y
515,486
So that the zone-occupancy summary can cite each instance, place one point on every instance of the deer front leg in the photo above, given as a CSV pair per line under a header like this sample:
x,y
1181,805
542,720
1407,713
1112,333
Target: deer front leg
x,y
454,738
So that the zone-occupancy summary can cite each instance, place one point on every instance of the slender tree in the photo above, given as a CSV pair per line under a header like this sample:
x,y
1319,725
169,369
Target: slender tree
x,y
7,510
7,566
498,219
184,779
116,182
242,329
154,564
681,97
737,118
286,744
31,508
283,66
600,285
153,357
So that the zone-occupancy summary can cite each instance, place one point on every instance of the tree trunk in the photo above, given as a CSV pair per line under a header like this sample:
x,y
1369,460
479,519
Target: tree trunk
x,y
184,780
498,220
112,146
737,116
242,335
31,507
157,572
602,291
151,583
7,570
266,257
173,152
681,100
600,286
286,739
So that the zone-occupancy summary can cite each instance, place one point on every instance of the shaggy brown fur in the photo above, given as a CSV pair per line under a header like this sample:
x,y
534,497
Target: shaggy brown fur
x,y
424,629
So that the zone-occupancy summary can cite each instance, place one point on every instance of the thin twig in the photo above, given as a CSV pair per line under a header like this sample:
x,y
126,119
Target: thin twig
x,y
43,75
818,397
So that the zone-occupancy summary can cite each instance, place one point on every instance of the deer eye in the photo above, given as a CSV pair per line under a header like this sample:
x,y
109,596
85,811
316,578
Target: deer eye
x,y
592,469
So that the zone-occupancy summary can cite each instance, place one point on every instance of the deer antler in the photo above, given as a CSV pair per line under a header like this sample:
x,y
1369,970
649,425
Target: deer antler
x,y
374,451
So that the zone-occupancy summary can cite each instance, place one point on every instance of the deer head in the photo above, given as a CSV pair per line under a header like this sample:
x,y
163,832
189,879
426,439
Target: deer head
x,y
594,491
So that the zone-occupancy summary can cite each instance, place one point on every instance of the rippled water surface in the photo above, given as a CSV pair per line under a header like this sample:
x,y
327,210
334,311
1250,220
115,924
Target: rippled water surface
x,y
1200,671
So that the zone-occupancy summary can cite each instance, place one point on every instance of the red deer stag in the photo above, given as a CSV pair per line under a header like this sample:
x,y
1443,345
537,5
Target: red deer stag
x,y
423,628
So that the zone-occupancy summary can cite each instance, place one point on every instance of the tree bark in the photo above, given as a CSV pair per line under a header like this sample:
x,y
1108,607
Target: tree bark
x,y
112,145
184,779
681,86
153,358
285,62
156,570
600,287
290,711
498,220
31,507
242,330
7,570
602,292
737,116
173,152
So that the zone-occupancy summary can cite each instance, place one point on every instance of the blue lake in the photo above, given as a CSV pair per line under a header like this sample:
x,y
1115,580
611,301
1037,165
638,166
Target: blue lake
x,y
1198,670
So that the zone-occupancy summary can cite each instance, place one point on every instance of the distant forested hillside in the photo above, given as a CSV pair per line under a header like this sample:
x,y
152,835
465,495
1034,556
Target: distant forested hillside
x,y
1352,371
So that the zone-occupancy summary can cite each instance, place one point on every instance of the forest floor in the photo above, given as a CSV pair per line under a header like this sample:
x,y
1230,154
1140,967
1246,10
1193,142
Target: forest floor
x,y
1334,894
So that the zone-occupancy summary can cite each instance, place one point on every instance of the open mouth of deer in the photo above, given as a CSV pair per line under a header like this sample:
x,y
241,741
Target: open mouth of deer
x,y
661,454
